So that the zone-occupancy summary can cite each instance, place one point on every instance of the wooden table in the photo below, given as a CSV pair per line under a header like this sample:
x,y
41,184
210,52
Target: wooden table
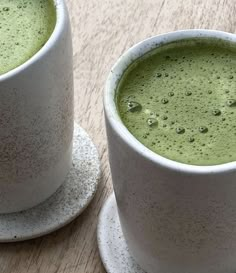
x,y
102,30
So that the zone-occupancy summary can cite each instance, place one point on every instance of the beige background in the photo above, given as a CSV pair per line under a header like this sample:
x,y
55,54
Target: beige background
x,y
102,30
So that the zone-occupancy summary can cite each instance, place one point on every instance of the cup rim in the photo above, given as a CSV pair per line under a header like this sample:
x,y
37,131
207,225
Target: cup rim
x,y
112,115
60,21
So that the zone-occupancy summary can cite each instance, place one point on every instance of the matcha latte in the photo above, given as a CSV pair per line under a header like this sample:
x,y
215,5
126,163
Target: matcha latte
x,y
179,100
25,26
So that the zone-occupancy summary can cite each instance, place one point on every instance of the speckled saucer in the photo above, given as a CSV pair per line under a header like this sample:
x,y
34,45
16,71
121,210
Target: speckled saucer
x,y
111,243
64,205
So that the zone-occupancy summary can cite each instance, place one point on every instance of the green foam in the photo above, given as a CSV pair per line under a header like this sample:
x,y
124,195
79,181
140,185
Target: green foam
x,y
25,26
180,101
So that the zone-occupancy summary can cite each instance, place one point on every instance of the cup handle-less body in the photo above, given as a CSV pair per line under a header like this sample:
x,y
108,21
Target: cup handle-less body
x,y
36,122
176,218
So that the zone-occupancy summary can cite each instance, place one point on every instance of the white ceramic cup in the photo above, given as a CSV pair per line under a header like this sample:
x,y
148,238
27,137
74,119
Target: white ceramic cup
x,y
36,121
176,218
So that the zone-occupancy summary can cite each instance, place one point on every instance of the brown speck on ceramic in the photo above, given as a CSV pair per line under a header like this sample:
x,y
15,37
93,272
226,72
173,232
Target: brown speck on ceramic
x,y
111,243
63,206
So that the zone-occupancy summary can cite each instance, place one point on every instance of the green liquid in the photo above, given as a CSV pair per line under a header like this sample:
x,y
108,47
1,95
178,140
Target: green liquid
x,y
180,101
25,26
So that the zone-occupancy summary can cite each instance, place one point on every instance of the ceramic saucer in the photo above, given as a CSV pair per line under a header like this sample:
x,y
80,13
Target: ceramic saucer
x,y
111,243
65,204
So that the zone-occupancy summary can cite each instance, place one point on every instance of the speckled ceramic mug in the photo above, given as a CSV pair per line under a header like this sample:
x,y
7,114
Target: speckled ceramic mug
x,y
176,218
36,122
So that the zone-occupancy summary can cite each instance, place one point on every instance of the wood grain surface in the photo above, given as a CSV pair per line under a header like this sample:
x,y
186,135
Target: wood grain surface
x,y
102,31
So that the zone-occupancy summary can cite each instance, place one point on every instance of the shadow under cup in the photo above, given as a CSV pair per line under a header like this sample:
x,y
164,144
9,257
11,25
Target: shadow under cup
x,y
36,122
175,217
